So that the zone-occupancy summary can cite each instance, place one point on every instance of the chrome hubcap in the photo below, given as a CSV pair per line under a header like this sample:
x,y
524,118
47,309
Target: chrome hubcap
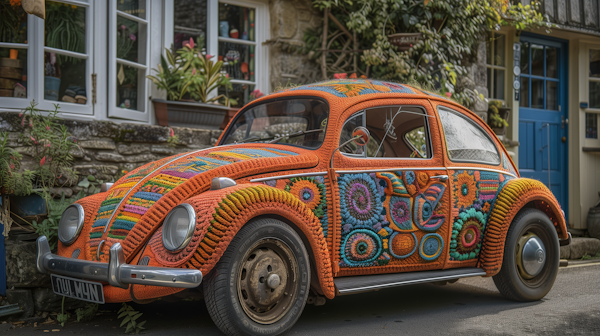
x,y
532,256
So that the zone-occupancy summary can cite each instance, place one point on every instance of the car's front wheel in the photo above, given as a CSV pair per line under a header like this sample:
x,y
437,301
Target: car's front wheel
x,y
531,257
261,283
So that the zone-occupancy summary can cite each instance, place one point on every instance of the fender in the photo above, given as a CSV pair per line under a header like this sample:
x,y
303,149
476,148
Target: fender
x,y
516,194
220,214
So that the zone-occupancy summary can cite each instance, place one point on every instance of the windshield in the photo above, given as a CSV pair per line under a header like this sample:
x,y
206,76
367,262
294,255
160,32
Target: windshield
x,y
297,122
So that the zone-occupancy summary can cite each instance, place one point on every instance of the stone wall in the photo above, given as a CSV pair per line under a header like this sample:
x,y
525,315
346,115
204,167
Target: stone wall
x,y
106,149
289,19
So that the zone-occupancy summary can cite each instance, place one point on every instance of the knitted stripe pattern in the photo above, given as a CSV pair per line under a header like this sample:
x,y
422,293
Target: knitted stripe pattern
x,y
386,218
152,184
515,194
475,193
355,87
221,213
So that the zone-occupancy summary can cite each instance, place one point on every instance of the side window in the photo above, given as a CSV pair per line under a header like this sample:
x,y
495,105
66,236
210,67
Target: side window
x,y
396,132
465,140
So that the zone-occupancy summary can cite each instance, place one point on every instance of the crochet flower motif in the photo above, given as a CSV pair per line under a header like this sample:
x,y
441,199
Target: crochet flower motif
x,y
465,190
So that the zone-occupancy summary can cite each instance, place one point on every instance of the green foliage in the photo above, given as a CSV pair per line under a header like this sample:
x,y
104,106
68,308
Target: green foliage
x,y
494,118
12,16
130,317
90,184
86,313
49,226
65,28
63,317
190,70
450,31
11,180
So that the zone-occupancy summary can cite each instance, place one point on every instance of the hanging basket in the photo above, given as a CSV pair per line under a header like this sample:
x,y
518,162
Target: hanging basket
x,y
404,41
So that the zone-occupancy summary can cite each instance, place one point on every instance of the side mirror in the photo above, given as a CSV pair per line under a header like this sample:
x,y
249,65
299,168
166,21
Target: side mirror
x,y
361,136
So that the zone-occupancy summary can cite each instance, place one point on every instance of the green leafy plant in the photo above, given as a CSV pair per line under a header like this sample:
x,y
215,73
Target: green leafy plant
x,y
90,184
63,317
65,28
86,313
169,76
12,16
494,118
11,180
130,317
450,31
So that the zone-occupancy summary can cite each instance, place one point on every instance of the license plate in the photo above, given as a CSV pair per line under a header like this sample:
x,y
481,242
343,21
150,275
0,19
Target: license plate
x,y
78,289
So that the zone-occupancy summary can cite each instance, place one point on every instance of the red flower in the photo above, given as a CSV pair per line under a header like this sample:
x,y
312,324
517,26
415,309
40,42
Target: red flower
x,y
32,139
448,94
20,114
194,72
353,75
191,43
23,122
172,133
47,128
340,76
42,161
12,166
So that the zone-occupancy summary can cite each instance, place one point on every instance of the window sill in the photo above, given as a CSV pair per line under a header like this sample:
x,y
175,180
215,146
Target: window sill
x,y
591,149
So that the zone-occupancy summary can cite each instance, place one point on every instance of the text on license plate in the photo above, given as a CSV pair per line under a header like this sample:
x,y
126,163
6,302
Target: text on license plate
x,y
78,289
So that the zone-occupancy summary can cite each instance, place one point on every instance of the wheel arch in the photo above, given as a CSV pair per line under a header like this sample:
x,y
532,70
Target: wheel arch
x,y
518,194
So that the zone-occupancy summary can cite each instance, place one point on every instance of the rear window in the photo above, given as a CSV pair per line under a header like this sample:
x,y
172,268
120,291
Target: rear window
x,y
465,140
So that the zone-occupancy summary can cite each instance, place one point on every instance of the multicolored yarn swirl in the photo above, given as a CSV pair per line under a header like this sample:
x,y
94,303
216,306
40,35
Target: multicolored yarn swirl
x,y
361,205
355,87
155,181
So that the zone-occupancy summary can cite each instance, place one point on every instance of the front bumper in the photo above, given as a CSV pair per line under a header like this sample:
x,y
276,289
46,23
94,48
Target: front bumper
x,y
117,273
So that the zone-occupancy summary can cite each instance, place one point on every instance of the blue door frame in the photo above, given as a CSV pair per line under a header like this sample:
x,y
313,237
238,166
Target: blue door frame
x,y
543,132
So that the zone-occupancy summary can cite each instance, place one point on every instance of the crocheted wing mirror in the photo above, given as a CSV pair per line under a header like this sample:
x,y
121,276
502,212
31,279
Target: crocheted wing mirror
x,y
360,136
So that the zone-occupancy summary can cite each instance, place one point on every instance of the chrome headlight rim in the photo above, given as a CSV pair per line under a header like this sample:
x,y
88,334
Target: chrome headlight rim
x,y
80,221
190,230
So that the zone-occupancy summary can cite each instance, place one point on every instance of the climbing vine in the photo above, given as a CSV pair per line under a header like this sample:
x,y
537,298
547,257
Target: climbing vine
x,y
450,31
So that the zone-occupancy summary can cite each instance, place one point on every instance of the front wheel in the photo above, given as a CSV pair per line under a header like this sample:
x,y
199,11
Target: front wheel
x,y
531,257
261,283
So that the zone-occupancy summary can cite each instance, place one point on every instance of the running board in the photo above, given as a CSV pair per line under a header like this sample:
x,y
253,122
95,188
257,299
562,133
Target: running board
x,y
366,283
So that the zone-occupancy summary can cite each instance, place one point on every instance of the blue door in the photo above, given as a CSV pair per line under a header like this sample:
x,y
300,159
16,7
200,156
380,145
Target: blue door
x,y
543,113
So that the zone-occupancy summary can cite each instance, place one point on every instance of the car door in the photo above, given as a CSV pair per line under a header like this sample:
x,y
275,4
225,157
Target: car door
x,y
478,169
393,193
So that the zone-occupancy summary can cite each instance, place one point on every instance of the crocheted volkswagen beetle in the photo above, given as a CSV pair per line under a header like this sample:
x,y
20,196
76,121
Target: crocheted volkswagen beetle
x,y
308,190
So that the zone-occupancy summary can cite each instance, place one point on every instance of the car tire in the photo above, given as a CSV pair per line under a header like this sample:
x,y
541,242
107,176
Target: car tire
x,y
261,283
523,277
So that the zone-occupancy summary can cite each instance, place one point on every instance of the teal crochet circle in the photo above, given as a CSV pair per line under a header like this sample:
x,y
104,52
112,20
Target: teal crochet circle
x,y
431,246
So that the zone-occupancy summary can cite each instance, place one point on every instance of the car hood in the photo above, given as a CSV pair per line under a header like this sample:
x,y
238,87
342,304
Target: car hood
x,y
135,206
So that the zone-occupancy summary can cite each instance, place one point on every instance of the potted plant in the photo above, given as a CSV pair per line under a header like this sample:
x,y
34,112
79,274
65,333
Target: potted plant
x,y
189,72
498,117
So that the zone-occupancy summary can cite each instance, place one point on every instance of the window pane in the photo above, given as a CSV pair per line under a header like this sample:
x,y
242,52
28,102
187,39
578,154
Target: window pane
x,y
239,92
190,22
465,140
13,28
537,93
130,86
347,130
551,62
537,60
524,96
591,126
595,94
236,22
552,95
13,73
64,27
498,84
499,48
132,7
64,78
390,127
525,58
239,58
131,40
594,63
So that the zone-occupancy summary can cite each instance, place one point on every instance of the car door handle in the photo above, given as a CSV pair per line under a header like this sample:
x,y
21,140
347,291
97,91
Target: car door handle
x,y
442,178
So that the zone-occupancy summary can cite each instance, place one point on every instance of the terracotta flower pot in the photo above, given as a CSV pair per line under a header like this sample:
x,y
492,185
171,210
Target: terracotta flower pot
x,y
191,114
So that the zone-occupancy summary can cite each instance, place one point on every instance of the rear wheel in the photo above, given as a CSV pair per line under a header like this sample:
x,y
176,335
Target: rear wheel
x,y
261,283
531,257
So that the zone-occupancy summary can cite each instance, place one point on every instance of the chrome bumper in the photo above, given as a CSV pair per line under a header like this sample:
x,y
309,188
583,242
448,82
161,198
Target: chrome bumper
x,y
116,272
565,242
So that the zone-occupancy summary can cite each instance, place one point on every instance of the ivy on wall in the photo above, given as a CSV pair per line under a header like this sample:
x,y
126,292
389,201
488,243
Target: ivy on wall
x,y
450,32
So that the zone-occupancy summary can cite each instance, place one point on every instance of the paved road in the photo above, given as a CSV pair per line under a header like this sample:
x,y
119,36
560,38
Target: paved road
x,y
470,307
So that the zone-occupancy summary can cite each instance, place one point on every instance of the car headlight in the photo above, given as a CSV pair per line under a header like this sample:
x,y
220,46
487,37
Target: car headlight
x,y
70,223
179,227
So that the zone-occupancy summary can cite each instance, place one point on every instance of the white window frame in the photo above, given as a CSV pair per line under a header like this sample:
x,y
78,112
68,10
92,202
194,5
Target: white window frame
x,y
585,94
35,68
143,112
261,51
493,67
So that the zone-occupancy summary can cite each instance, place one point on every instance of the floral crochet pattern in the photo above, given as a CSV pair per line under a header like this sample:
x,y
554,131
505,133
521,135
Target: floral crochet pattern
x,y
431,247
465,189
361,248
360,203
467,232
355,87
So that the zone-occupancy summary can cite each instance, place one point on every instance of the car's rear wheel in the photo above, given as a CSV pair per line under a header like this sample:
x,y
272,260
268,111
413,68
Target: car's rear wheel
x,y
531,257
261,283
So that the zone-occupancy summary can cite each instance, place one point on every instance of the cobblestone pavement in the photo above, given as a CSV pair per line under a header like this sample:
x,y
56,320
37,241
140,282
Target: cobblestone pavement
x,y
470,306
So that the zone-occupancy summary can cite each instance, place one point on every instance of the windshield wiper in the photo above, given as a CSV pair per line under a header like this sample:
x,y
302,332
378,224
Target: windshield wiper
x,y
276,140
